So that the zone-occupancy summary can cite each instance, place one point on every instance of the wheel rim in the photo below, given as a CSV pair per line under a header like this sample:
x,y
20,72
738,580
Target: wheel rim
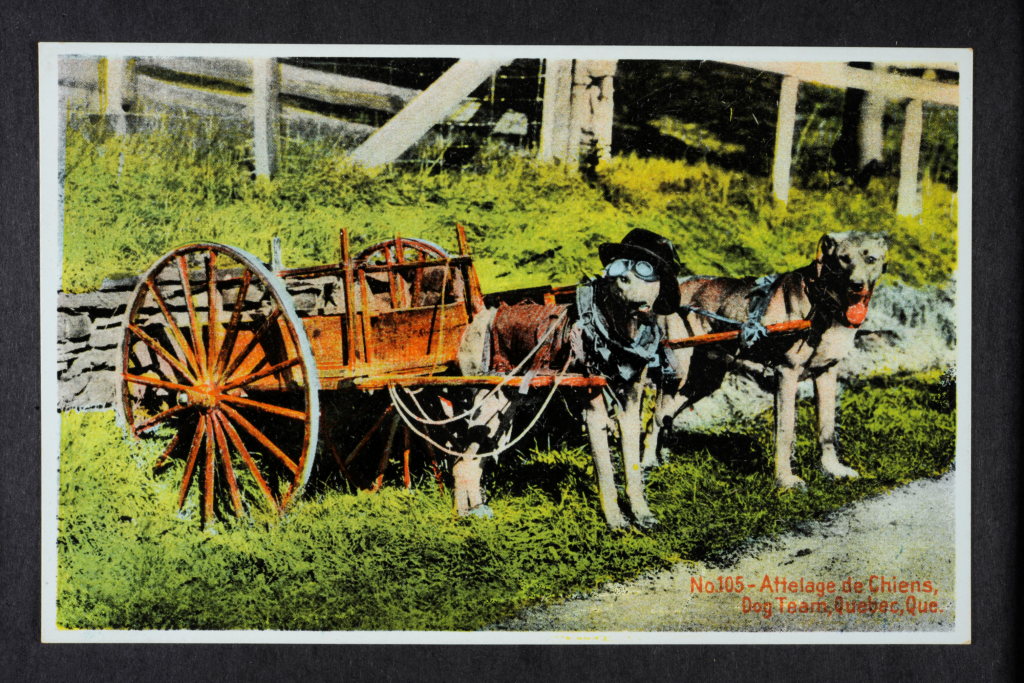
x,y
215,355
412,248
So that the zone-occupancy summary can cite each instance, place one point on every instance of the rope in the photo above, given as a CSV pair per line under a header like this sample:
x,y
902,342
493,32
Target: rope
x,y
401,410
476,404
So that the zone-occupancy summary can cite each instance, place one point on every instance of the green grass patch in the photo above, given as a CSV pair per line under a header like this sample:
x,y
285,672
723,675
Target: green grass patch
x,y
130,200
403,560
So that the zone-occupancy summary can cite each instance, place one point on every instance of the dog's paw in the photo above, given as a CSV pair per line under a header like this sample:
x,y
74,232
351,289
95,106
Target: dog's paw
x,y
481,511
789,481
839,471
646,522
617,521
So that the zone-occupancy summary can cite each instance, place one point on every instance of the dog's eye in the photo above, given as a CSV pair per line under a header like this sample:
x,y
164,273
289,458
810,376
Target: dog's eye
x,y
871,259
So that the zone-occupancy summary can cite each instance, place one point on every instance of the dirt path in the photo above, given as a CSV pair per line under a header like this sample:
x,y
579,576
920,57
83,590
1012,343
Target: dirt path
x,y
907,534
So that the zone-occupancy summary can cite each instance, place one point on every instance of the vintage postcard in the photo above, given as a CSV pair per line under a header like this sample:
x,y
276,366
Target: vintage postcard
x,y
399,344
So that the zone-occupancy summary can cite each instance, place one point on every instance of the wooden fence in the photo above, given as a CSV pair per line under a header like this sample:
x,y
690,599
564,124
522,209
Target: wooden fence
x,y
577,104
880,86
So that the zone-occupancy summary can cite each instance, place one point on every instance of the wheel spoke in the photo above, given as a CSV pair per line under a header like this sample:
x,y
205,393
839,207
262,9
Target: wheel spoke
x,y
267,443
162,460
212,309
246,457
251,345
159,417
232,333
265,407
153,382
175,330
197,333
159,349
229,472
208,475
190,465
272,370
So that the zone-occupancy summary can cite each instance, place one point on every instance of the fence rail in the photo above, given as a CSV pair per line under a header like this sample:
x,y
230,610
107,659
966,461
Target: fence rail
x,y
295,80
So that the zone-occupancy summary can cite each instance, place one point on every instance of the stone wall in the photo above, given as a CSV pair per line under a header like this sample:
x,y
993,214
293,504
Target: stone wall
x,y
89,328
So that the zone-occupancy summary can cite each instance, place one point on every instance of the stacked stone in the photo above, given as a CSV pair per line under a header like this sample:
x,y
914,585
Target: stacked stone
x,y
89,329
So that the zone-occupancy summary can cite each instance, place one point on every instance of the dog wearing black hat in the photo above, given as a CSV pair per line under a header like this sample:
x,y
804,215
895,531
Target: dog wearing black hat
x,y
611,331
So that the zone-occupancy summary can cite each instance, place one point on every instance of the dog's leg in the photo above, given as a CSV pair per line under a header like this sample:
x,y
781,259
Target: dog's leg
x,y
630,426
785,427
598,426
468,471
669,400
650,449
825,393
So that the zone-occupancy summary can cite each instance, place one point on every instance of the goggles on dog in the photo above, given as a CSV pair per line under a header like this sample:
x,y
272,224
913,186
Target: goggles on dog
x,y
644,270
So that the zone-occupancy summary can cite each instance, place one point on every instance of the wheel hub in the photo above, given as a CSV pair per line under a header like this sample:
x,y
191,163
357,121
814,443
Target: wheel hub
x,y
201,396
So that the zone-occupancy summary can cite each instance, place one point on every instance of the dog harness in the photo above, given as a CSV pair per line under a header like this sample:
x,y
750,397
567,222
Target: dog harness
x,y
751,331
584,335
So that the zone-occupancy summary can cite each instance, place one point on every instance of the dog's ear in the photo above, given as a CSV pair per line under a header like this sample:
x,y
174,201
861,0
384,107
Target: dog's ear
x,y
826,247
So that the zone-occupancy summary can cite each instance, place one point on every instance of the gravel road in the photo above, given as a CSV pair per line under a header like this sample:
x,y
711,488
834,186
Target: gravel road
x,y
906,535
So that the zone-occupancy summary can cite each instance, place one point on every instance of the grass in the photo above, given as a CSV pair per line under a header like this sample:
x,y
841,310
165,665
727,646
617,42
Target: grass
x,y
403,560
129,201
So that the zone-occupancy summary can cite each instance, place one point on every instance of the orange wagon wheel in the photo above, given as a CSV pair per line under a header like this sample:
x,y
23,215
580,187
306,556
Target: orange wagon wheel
x,y
215,357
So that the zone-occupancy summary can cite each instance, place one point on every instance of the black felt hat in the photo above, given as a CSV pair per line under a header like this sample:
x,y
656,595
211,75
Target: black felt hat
x,y
644,245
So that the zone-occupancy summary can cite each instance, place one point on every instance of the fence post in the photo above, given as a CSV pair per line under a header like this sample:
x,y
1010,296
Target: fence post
x,y
119,92
266,113
784,138
602,104
871,136
578,110
554,125
907,202
870,133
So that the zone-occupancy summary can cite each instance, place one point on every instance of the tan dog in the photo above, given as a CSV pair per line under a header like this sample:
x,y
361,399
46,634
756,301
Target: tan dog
x,y
612,332
832,292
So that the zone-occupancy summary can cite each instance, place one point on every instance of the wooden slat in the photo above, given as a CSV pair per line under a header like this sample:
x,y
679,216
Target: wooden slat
x,y
431,107
840,75
382,381
344,90
309,83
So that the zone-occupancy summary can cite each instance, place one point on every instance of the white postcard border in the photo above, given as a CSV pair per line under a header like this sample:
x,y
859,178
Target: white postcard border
x,y
51,264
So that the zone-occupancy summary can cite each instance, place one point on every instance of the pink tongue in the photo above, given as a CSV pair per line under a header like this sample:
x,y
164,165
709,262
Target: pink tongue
x,y
857,313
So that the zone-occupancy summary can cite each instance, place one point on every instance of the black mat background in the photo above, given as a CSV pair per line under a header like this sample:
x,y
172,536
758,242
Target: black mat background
x,y
991,27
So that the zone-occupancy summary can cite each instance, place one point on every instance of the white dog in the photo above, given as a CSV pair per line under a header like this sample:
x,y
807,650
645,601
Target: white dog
x,y
611,332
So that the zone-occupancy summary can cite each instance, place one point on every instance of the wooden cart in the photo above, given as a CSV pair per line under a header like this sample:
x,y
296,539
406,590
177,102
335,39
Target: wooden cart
x,y
248,379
